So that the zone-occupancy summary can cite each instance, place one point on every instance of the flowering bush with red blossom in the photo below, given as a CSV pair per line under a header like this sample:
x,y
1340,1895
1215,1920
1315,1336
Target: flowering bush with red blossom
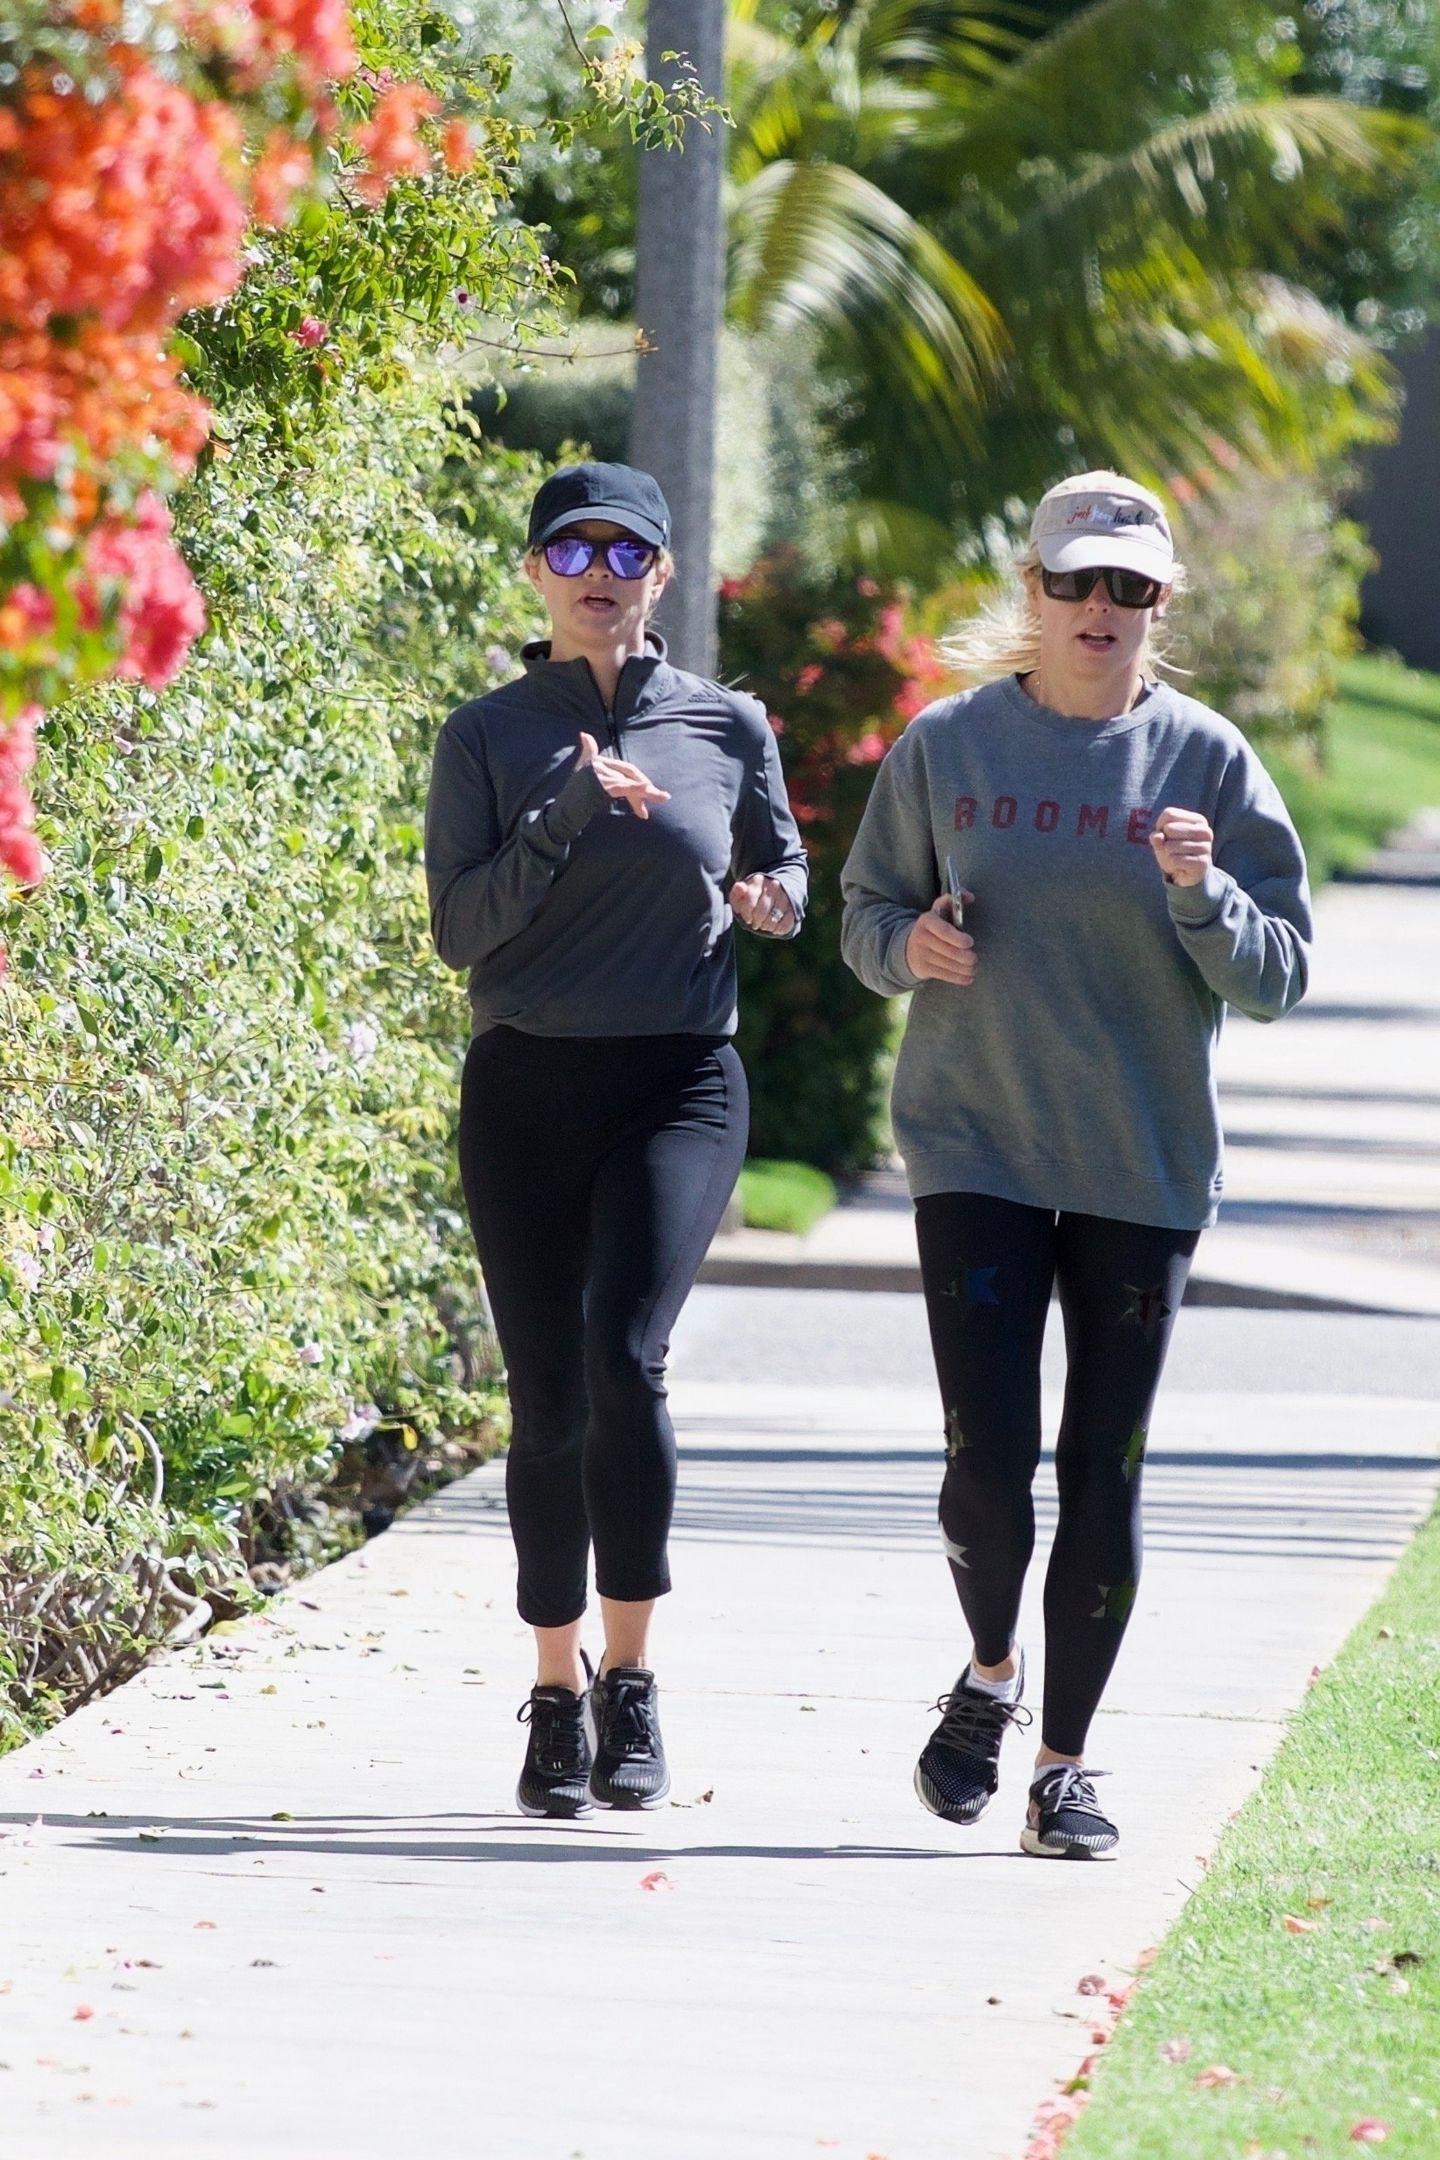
x,y
138,152
840,674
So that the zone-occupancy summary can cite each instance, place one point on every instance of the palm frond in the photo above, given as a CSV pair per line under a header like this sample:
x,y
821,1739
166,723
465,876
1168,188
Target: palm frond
x,y
1078,88
889,538
1231,184
937,40
818,244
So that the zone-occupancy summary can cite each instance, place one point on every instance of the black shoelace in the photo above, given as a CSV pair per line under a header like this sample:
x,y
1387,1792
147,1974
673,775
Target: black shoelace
x,y
557,1735
630,1726
976,1723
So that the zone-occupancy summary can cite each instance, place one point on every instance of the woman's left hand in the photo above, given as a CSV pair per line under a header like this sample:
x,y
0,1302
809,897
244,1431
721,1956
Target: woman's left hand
x,y
1183,844
763,905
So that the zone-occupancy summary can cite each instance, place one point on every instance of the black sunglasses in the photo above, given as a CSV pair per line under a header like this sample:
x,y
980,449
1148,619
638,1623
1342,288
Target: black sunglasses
x,y
572,554
1127,588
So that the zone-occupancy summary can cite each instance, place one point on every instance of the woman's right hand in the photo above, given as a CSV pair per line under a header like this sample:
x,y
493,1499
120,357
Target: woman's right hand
x,y
936,951
624,781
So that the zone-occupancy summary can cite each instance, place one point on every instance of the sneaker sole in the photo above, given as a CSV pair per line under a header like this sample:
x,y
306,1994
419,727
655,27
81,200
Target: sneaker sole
x,y
565,1812
931,1797
622,1803
1031,1842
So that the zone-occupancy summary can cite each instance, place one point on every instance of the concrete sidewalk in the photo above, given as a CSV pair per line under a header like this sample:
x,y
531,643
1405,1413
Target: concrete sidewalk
x,y
1332,1120
277,1902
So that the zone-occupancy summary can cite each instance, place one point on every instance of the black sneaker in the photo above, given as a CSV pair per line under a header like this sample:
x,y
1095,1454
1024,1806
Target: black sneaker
x,y
960,1769
630,1769
556,1777
1065,1820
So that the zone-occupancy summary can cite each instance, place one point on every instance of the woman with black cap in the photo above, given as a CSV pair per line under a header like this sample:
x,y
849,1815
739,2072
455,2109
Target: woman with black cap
x,y
593,830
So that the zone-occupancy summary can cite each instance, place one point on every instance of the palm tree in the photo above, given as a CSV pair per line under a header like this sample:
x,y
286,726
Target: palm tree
x,y
679,300
1027,235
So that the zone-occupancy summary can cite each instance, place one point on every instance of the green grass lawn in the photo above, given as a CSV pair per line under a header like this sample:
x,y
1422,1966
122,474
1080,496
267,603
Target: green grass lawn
x,y
1382,763
1336,2020
784,1195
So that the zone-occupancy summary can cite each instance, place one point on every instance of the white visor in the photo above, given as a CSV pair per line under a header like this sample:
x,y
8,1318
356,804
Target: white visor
x,y
1103,530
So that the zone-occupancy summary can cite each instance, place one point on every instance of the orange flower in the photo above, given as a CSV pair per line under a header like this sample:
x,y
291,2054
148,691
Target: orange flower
x,y
123,209
258,37
457,147
388,141
106,390
26,615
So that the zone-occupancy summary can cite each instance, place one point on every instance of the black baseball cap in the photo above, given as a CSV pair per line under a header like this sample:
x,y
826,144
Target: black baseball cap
x,y
620,493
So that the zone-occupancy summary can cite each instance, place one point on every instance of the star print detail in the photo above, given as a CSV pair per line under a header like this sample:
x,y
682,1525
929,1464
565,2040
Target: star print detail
x,y
1116,1600
975,1286
1147,1308
954,1553
954,1437
1134,1453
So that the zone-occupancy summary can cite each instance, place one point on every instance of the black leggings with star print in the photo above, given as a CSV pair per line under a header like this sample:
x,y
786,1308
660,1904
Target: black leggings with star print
x,y
988,1267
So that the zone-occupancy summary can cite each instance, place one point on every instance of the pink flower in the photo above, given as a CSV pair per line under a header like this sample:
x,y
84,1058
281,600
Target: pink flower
x,y
161,611
891,629
311,332
17,746
868,751
23,857
26,613
806,680
282,168
1369,2131
20,851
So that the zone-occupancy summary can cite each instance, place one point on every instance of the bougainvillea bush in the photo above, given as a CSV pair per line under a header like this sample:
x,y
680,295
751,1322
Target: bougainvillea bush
x,y
840,676
136,146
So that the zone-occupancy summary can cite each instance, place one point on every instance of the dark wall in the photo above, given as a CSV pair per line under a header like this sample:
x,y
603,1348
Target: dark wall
x,y
1400,507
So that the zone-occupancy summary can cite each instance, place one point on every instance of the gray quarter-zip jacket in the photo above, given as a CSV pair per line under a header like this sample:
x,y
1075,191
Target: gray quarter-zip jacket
x,y
574,916
1077,1071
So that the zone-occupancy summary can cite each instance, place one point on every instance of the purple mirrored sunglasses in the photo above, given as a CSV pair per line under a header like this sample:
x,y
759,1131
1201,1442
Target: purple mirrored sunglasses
x,y
571,554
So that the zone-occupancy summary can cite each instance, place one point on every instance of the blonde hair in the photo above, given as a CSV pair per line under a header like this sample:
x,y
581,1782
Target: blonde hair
x,y
1003,637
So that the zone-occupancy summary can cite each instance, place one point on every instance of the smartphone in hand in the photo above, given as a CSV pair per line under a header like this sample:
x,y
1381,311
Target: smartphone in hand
x,y
956,893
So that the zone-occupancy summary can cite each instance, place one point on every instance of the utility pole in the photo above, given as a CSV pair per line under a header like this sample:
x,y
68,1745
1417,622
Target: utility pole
x,y
679,302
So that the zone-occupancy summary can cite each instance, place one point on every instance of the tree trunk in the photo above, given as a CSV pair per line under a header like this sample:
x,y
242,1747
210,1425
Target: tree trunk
x,y
678,303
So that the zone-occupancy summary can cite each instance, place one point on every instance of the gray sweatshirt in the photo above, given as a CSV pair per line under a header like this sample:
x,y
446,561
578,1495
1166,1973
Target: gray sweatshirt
x,y
574,916
1077,1071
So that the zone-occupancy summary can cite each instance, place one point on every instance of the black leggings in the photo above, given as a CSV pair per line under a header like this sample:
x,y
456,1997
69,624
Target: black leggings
x,y
988,1267
596,1171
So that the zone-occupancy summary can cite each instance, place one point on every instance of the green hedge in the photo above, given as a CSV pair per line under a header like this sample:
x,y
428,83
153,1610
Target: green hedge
x,y
789,1196
228,1060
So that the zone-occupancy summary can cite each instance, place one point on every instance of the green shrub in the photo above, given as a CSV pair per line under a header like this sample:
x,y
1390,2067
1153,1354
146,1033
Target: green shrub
x,y
228,1059
1273,603
579,398
784,1196
1302,783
